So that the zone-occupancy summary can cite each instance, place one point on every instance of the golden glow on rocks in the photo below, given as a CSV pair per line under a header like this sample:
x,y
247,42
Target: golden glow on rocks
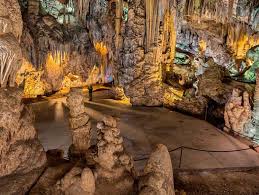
x,y
33,86
54,67
202,47
242,44
102,50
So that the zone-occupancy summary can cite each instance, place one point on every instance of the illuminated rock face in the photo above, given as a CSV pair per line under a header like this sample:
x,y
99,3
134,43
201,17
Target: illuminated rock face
x,y
21,153
225,29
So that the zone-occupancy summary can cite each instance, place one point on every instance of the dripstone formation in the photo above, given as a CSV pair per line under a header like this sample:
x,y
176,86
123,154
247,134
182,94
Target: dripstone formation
x,y
158,173
237,111
114,166
79,122
22,157
78,181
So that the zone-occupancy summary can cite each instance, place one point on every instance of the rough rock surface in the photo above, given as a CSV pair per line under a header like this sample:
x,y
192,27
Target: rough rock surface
x,y
158,173
237,111
141,70
210,83
114,167
11,26
21,153
79,122
192,105
118,93
78,181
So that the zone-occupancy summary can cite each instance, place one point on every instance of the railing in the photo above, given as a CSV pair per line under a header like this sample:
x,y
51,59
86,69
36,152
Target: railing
x,y
181,148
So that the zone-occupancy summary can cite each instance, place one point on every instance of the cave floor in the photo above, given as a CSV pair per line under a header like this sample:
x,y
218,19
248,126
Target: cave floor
x,y
143,128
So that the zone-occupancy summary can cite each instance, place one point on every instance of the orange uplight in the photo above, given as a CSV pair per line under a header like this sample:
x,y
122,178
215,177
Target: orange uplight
x,y
101,48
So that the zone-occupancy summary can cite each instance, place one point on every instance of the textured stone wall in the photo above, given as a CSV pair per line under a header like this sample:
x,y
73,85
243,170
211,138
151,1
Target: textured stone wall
x,y
144,61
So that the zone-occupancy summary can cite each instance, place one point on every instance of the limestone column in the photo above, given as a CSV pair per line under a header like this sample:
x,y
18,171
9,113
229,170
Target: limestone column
x,y
114,165
79,122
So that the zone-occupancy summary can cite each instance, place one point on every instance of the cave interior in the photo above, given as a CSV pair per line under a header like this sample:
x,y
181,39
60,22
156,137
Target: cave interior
x,y
129,97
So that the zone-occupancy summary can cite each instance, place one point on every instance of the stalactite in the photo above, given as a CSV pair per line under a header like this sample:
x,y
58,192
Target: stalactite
x,y
82,9
33,7
156,12
240,40
118,18
6,62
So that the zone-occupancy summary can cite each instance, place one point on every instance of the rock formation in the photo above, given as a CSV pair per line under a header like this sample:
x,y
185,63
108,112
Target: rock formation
x,y
114,166
79,122
158,173
237,111
252,128
145,58
118,93
10,34
22,157
78,181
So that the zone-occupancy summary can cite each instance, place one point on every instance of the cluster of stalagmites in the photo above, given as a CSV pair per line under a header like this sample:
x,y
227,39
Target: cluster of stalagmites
x,y
22,157
79,122
113,171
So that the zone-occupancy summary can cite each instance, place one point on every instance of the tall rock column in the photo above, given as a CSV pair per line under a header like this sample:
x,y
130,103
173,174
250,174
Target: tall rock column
x,y
79,122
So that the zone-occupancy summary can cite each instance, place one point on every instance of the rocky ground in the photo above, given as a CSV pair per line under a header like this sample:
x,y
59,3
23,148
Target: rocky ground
x,y
218,181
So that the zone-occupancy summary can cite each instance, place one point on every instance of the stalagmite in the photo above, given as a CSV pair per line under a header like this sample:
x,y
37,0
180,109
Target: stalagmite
x,y
79,123
21,154
158,174
78,181
114,165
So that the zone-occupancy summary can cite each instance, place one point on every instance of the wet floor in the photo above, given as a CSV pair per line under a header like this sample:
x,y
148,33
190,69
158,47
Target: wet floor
x,y
142,128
